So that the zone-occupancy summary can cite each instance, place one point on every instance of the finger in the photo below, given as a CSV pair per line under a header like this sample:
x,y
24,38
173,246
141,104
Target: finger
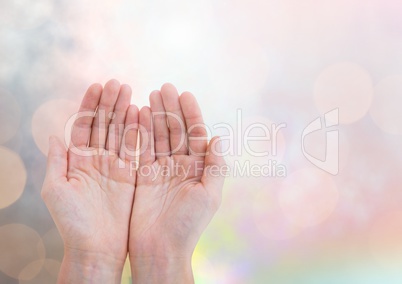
x,y
215,169
161,135
130,136
116,126
81,131
56,161
146,137
177,127
102,118
196,132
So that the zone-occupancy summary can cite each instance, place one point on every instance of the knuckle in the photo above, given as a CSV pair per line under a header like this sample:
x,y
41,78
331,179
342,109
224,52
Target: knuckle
x,y
176,128
198,132
161,137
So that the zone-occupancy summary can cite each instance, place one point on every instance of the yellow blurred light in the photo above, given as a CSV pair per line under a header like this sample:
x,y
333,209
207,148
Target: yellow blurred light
x,y
203,269
126,275
53,244
13,176
48,272
385,240
50,119
20,245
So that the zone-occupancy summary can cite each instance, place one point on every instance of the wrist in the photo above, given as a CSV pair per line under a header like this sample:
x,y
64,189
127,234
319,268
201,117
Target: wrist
x,y
160,268
89,267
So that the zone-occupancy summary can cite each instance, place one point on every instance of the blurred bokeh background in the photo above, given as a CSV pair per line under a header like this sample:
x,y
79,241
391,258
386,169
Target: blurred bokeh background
x,y
271,61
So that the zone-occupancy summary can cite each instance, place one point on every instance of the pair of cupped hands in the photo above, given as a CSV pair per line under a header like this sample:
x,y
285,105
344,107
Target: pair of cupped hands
x,y
109,196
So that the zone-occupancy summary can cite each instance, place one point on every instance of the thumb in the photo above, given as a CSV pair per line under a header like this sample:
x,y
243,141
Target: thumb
x,y
215,166
56,160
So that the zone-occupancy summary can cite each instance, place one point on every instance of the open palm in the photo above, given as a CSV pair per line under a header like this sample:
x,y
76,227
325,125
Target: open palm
x,y
176,195
89,189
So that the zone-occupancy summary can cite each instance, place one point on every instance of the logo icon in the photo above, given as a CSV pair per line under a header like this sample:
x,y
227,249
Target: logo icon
x,y
330,164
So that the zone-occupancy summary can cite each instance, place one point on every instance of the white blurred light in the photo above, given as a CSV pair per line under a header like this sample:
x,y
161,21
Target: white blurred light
x,y
12,47
308,197
269,218
346,86
181,36
10,116
386,108
25,14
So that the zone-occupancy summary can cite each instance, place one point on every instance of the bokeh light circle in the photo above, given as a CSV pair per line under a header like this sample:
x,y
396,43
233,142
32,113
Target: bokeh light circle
x,y
48,272
269,218
386,108
308,197
53,244
13,177
50,119
20,245
10,116
346,86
